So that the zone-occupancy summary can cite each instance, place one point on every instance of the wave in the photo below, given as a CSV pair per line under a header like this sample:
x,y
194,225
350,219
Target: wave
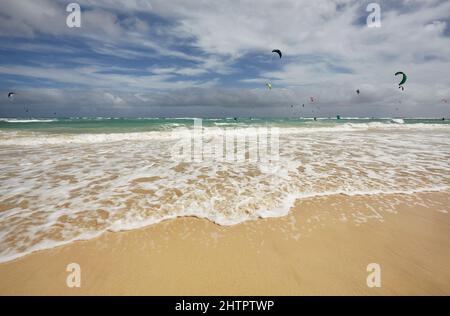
x,y
27,120
398,121
174,131
219,219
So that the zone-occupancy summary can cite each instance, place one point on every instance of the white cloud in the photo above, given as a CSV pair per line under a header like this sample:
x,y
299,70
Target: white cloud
x,y
327,52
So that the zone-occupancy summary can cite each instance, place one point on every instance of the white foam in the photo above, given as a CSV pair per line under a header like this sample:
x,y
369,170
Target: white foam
x,y
27,120
398,121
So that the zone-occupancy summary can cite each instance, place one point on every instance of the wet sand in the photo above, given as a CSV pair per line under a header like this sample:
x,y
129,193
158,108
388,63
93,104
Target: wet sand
x,y
322,247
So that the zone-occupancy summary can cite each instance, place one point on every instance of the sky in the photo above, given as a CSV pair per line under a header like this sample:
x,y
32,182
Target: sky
x,y
198,58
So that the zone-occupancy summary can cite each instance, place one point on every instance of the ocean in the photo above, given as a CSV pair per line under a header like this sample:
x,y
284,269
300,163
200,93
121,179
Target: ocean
x,y
69,179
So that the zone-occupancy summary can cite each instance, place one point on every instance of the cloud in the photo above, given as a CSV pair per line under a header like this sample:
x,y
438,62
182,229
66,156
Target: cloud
x,y
193,55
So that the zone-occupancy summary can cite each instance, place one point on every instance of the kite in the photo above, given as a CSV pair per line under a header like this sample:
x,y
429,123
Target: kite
x,y
278,52
404,79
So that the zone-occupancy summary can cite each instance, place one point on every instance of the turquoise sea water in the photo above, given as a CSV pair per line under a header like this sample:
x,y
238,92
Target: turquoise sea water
x,y
121,125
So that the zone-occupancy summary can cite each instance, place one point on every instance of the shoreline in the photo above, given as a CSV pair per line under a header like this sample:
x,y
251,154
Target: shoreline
x,y
312,250
261,215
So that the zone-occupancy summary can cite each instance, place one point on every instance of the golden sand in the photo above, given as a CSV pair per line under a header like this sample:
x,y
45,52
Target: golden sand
x,y
322,247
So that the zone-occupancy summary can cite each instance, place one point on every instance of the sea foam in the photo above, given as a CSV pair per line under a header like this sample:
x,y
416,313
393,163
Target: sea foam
x,y
57,188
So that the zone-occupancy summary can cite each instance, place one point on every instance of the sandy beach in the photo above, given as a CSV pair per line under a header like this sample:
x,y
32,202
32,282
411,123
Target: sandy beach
x,y
322,247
